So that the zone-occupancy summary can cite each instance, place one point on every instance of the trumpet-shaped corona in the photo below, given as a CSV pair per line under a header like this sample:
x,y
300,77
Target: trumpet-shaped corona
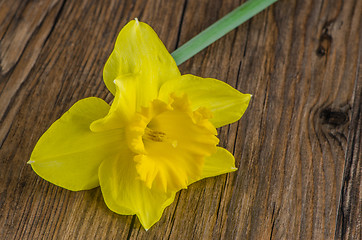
x,y
170,142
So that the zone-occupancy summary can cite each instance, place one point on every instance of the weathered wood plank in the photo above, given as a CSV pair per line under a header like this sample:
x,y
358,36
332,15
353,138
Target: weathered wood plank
x,y
16,43
299,59
20,30
350,206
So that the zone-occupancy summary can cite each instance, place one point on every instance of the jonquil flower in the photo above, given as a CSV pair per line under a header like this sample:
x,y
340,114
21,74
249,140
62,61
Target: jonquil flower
x,y
157,137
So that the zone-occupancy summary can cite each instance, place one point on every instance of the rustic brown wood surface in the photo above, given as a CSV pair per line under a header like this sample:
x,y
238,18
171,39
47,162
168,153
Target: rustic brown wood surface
x,y
298,147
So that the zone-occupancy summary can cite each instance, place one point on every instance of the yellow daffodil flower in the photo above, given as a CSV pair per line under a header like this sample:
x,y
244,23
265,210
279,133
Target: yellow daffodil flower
x,y
157,137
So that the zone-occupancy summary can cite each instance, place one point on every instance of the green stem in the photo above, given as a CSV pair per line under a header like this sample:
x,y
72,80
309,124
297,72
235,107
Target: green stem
x,y
232,20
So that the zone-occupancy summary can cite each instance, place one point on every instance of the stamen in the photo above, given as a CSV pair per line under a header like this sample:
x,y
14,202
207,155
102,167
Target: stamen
x,y
158,136
153,135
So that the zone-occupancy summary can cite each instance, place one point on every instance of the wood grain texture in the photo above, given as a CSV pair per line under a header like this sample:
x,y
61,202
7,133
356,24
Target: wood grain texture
x,y
350,206
298,147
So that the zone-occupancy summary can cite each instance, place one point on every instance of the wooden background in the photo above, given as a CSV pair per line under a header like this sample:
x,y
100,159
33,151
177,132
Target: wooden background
x,y
298,147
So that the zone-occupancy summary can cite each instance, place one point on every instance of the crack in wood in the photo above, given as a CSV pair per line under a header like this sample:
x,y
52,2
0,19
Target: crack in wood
x,y
131,227
181,24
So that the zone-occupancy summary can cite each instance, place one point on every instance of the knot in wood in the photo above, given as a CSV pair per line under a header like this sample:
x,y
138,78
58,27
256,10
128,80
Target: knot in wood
x,y
333,117
325,41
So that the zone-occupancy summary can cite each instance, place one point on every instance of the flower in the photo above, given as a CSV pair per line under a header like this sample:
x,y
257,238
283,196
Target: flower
x,y
157,137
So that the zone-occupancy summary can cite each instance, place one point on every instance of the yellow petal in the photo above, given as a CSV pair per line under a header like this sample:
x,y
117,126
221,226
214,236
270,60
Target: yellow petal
x,y
139,51
123,107
219,163
69,154
225,102
124,193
